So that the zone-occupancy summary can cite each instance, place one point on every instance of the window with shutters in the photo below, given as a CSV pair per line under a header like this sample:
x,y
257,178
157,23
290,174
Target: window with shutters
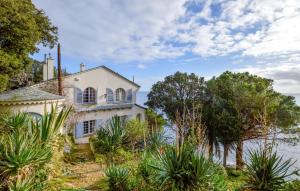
x,y
120,95
89,96
78,95
89,127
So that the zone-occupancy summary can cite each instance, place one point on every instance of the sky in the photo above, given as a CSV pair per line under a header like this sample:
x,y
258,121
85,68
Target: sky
x,y
150,39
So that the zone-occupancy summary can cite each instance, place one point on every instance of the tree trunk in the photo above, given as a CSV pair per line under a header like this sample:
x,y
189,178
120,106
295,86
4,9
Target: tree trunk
x,y
225,154
239,155
210,150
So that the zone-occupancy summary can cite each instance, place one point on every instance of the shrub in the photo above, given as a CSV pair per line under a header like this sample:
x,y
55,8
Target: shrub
x,y
117,178
156,140
144,168
266,171
136,132
186,170
293,185
110,137
27,148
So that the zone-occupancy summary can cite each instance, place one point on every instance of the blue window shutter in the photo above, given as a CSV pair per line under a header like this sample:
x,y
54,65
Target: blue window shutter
x,y
78,95
129,95
79,130
109,95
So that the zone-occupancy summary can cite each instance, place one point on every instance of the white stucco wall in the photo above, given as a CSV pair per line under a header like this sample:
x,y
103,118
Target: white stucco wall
x,y
99,79
31,107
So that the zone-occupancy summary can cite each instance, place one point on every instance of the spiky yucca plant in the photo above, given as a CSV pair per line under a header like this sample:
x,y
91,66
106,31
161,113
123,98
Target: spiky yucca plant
x,y
117,178
186,170
110,137
27,146
266,171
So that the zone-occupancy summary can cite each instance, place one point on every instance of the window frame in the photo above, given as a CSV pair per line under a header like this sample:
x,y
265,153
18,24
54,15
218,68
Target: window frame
x,y
89,96
120,95
89,127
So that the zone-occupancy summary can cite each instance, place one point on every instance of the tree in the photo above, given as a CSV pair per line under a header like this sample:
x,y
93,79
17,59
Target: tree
x,y
155,121
258,108
22,28
220,119
175,94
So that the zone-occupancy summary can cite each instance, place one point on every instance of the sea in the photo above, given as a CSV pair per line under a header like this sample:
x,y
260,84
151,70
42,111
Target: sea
x,y
287,149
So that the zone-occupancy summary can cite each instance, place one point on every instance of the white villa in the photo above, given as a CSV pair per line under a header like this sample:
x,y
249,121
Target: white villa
x,y
96,94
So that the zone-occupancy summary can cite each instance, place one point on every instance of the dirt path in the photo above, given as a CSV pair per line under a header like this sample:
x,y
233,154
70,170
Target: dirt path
x,y
82,176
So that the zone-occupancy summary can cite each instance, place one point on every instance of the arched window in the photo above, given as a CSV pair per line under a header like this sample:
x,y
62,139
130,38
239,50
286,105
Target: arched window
x,y
120,94
35,116
89,95
109,95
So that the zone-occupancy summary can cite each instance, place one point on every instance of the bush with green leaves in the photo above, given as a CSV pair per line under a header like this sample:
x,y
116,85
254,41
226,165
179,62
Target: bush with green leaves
x,y
292,185
117,178
26,147
110,137
185,169
267,171
144,168
136,132
156,140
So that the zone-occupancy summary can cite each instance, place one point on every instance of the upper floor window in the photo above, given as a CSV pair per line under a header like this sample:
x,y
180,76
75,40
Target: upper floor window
x,y
89,95
120,94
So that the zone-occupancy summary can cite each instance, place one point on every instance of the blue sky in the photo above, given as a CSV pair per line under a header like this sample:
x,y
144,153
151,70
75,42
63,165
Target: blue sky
x,y
154,38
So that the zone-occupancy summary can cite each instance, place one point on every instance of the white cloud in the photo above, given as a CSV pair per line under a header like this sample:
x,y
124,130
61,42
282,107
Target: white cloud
x,y
124,30
141,66
151,29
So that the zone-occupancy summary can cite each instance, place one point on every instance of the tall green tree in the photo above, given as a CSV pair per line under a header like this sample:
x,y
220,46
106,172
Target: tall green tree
x,y
257,107
176,96
22,28
220,118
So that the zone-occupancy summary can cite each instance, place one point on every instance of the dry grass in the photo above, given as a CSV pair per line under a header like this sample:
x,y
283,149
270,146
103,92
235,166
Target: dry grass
x,y
82,174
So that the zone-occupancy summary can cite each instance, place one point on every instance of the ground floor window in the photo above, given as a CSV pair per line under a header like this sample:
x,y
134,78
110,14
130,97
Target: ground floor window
x,y
89,126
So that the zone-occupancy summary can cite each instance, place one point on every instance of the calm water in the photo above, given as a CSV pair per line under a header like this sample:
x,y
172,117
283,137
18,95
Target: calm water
x,y
287,150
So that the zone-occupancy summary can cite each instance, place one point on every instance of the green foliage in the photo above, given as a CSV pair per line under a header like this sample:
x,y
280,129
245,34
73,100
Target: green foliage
x,y
117,178
135,132
27,147
244,106
266,171
156,141
184,89
293,185
110,137
155,121
185,169
22,28
144,168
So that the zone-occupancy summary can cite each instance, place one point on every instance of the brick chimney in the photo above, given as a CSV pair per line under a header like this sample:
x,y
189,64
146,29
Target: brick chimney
x,y
82,67
48,68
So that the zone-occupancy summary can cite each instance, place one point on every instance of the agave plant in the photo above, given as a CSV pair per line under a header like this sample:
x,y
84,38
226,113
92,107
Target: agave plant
x,y
117,178
110,137
156,140
186,170
266,171
27,146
